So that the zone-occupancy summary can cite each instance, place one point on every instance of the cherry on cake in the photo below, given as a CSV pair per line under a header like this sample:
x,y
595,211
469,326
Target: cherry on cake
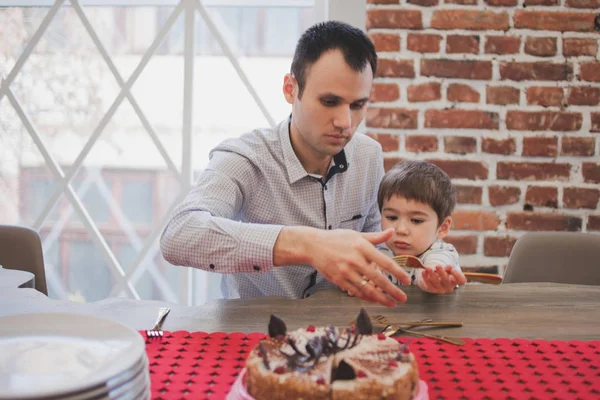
x,y
330,363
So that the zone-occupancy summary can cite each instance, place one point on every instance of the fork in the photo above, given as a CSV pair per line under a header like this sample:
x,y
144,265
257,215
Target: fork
x,y
157,330
407,261
381,320
392,330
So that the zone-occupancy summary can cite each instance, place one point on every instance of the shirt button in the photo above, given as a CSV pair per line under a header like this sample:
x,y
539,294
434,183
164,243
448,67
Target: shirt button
x,y
329,227
256,268
212,266
325,187
307,295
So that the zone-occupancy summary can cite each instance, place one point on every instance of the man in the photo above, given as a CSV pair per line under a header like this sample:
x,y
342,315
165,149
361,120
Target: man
x,y
279,211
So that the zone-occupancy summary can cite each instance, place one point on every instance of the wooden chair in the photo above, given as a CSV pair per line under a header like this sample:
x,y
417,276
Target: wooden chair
x,y
21,248
558,257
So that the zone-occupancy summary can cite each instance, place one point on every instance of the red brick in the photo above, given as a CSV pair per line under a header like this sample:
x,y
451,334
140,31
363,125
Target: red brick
x,y
466,119
461,2
389,142
389,162
423,43
383,1
542,222
468,194
475,220
541,196
396,118
502,95
460,144
535,71
501,3
578,146
554,21
498,246
421,143
590,71
385,41
583,96
593,223
462,93
529,3
395,68
469,19
463,244
581,198
457,69
462,44
540,46
394,19
503,195
429,91
384,92
543,121
540,146
524,171
590,172
462,169
502,44
573,47
595,122
583,3
498,146
545,96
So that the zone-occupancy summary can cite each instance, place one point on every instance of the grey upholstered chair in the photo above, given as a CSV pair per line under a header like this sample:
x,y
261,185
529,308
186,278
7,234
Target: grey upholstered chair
x,y
21,248
559,257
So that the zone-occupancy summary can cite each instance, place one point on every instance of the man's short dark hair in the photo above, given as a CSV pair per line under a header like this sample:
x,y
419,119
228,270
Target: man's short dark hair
x,y
357,48
421,181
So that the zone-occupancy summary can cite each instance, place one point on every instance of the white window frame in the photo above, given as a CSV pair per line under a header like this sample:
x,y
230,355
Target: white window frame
x,y
351,11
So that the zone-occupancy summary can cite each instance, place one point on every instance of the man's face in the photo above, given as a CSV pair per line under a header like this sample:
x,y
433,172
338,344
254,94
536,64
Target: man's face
x,y
332,105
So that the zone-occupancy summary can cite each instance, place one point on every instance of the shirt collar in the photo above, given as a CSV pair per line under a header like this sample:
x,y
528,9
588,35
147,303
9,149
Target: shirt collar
x,y
294,167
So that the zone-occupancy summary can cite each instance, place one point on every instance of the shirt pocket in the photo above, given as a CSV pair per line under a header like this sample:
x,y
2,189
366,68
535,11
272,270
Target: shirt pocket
x,y
355,221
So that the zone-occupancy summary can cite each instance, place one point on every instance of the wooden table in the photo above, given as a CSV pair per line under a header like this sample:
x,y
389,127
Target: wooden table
x,y
541,310
526,310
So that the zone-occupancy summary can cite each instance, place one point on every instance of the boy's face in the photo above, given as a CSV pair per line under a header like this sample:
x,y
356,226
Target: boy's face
x,y
332,105
415,225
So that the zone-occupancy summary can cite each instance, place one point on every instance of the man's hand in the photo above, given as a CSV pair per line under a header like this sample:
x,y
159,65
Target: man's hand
x,y
440,280
346,258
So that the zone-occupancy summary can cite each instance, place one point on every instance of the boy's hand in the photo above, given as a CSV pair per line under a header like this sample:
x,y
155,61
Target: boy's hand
x,y
440,280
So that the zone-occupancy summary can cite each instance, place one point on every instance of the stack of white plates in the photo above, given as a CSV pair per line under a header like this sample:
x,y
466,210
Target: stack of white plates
x,y
71,357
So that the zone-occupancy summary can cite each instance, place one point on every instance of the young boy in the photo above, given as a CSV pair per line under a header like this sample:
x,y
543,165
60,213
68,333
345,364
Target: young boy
x,y
416,198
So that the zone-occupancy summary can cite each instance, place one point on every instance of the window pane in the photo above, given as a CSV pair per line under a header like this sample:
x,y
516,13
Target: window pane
x,y
137,201
145,285
89,276
39,191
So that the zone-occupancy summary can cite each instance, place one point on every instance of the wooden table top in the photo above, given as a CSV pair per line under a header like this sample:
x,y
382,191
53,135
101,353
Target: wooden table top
x,y
531,310
524,310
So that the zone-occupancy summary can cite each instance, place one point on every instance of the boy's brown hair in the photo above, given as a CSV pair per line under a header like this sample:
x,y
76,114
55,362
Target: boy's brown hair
x,y
421,181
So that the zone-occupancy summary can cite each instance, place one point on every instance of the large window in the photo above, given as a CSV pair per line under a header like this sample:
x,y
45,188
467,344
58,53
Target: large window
x,y
90,94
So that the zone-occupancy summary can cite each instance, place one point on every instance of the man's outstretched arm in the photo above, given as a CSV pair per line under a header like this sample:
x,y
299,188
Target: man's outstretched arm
x,y
346,258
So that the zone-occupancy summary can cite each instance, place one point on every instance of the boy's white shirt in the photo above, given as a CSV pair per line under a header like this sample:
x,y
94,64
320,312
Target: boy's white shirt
x,y
439,253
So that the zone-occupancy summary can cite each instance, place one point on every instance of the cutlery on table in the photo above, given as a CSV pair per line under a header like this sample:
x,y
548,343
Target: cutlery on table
x,y
391,330
157,330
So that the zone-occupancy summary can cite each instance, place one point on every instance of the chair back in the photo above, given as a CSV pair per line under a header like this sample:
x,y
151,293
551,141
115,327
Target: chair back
x,y
21,248
558,257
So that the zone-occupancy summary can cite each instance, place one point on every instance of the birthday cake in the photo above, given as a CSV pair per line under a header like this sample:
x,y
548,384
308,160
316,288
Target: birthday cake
x,y
330,363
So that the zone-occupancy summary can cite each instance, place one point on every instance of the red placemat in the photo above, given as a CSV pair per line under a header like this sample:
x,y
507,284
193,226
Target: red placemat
x,y
200,365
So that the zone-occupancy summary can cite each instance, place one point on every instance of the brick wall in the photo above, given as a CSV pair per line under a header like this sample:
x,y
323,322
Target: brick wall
x,y
504,95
